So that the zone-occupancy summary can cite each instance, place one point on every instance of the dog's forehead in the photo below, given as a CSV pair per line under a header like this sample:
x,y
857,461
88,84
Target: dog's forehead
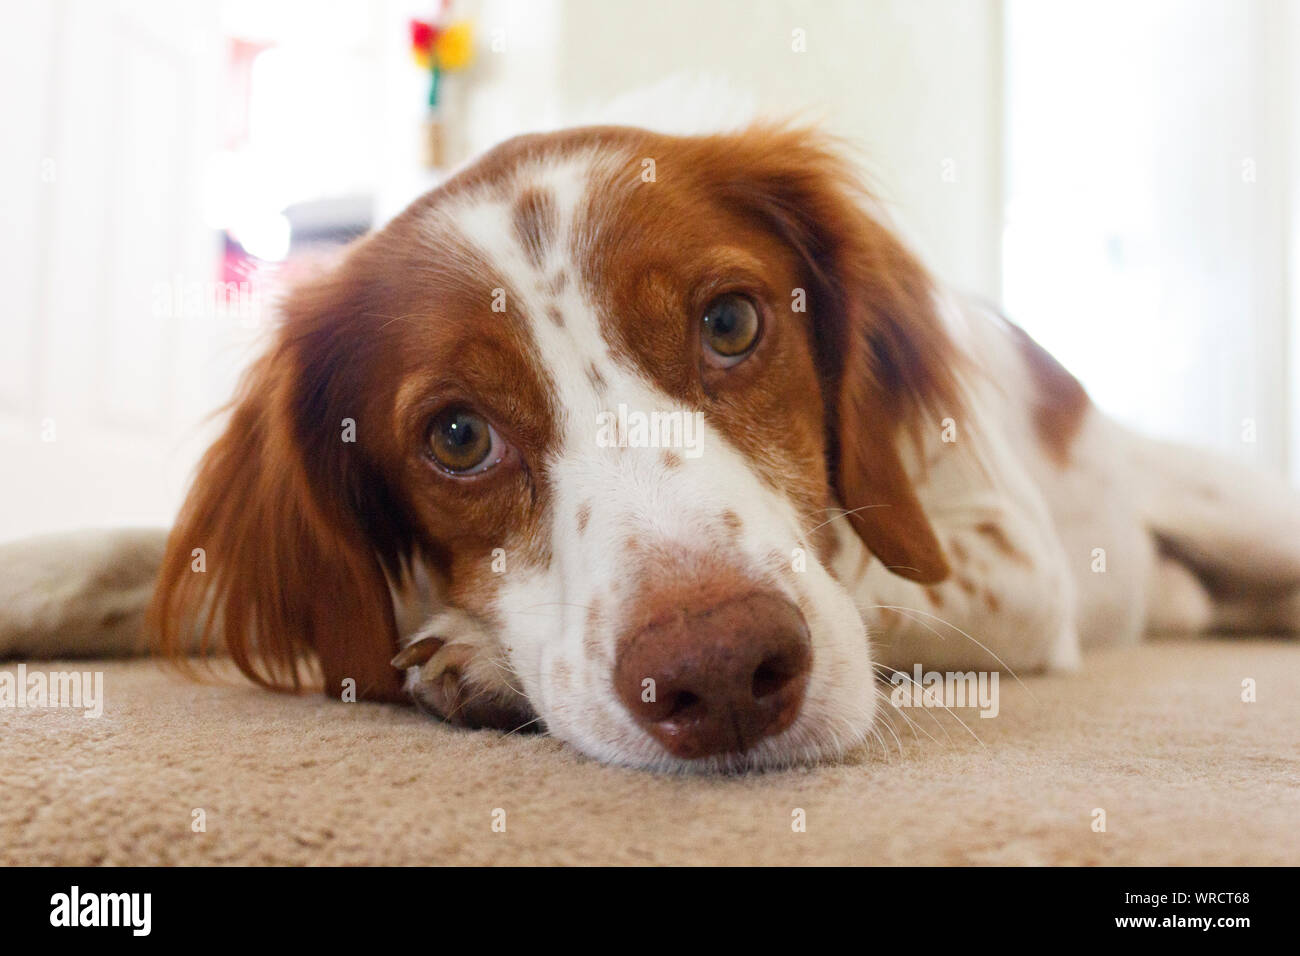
x,y
532,229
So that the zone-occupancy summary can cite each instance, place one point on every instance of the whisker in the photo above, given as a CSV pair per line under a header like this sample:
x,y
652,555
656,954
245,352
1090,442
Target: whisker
x,y
888,726
845,514
882,669
526,723
907,719
936,617
954,716
950,712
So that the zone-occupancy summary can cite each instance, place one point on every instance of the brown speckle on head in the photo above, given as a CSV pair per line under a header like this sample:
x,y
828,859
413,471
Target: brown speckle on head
x,y
595,378
584,515
966,584
535,222
991,602
553,313
671,460
934,596
558,283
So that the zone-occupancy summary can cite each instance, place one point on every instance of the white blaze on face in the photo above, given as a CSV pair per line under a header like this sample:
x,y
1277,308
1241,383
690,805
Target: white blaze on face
x,y
705,498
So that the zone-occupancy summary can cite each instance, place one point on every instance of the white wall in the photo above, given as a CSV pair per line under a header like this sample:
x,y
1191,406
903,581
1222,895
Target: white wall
x,y
915,83
1147,176
108,113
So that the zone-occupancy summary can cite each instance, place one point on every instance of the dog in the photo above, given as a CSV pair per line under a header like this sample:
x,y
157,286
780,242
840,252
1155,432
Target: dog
x,y
669,445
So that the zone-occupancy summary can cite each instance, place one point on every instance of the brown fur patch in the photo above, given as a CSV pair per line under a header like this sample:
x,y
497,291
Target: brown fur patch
x,y
584,515
304,531
870,347
1061,402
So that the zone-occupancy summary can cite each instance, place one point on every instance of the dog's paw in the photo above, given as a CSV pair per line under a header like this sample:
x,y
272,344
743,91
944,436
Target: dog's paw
x,y
460,681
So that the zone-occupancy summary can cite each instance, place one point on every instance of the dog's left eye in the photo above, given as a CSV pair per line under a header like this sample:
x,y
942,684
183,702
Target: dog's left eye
x,y
731,328
463,442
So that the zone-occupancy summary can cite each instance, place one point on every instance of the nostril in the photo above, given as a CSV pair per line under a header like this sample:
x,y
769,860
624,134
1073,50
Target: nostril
x,y
684,706
773,674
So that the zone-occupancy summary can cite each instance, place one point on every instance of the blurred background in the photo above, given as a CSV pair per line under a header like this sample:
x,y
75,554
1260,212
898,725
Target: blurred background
x,y
1123,177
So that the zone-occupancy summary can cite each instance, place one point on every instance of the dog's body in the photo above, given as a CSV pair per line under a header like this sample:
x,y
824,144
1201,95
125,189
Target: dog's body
x,y
880,465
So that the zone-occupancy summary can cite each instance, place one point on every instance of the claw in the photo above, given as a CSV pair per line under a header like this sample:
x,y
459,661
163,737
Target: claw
x,y
418,653
451,659
442,690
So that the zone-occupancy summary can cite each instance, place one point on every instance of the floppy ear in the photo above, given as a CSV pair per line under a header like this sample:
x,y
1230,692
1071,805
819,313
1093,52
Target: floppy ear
x,y
886,361
290,576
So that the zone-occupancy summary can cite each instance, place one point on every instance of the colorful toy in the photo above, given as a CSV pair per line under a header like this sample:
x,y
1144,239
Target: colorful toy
x,y
440,48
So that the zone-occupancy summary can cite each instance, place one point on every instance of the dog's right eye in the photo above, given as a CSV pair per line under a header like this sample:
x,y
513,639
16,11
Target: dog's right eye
x,y
731,328
463,443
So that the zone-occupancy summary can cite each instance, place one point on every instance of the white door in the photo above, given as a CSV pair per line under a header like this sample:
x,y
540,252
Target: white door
x,y
109,112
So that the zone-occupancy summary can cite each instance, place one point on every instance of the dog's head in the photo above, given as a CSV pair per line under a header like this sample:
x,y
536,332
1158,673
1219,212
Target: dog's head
x,y
610,390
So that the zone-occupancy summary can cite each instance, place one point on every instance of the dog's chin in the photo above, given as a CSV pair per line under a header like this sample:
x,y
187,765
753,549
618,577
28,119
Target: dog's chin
x,y
823,735
791,750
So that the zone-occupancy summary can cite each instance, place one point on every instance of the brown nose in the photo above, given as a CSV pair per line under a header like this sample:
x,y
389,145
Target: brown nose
x,y
724,677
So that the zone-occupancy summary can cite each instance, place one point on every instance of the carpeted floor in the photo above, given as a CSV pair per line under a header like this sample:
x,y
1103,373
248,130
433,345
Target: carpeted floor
x,y
1157,736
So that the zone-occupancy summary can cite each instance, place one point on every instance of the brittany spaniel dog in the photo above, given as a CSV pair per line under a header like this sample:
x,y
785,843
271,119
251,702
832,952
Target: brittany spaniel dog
x,y
669,445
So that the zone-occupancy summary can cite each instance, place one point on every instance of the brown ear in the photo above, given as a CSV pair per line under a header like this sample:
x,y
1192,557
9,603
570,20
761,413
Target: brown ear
x,y
886,361
290,577
876,491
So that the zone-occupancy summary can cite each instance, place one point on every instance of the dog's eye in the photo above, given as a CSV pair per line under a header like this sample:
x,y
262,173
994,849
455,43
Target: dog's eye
x,y
731,328
463,442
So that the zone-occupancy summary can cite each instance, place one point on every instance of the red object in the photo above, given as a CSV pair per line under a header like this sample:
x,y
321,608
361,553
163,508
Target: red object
x,y
422,35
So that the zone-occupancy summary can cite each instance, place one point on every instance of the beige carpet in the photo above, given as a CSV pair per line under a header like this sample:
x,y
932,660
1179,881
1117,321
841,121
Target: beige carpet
x,y
1157,736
